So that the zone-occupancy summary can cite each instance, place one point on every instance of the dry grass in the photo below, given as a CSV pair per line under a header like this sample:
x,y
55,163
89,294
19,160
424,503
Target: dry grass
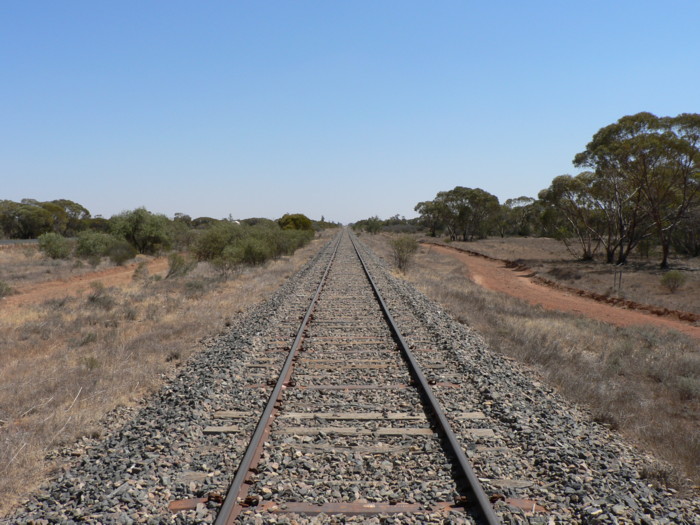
x,y
67,362
24,264
641,277
643,381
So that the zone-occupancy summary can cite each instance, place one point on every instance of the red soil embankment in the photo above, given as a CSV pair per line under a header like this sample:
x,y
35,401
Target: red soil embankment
x,y
520,282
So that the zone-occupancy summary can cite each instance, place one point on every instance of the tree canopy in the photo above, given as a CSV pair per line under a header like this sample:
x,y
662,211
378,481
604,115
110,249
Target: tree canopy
x,y
646,171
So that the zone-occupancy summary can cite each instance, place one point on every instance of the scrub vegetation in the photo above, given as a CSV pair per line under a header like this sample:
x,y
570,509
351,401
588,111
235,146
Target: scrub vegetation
x,y
71,359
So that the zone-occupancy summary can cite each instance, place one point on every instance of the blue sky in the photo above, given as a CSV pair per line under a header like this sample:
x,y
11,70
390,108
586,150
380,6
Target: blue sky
x,y
342,109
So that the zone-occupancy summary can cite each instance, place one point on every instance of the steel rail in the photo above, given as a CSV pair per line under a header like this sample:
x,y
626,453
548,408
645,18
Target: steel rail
x,y
464,467
234,490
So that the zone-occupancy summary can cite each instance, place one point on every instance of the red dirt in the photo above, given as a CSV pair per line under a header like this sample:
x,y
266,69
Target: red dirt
x,y
501,276
117,276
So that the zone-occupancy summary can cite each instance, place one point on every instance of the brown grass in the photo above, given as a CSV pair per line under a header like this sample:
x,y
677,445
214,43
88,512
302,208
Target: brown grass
x,y
643,381
24,264
641,277
67,362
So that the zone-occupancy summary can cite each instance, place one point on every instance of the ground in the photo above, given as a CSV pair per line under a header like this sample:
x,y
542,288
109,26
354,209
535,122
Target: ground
x,y
541,258
524,284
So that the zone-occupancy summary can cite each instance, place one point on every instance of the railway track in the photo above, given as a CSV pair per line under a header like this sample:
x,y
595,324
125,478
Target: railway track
x,y
352,426
349,435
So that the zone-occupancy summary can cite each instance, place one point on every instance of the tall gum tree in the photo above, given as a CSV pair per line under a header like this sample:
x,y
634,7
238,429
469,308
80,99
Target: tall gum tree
x,y
653,165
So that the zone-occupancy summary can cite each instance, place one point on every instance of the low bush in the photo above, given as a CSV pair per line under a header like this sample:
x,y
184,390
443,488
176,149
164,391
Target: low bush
x,y
5,289
100,298
94,244
55,246
228,245
673,280
179,266
120,252
253,251
402,249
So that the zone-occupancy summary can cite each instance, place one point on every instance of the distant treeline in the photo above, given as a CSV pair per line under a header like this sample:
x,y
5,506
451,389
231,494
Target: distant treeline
x,y
642,191
66,228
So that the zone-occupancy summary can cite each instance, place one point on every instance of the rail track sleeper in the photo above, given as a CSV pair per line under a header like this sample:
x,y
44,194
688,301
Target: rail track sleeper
x,y
225,514
483,503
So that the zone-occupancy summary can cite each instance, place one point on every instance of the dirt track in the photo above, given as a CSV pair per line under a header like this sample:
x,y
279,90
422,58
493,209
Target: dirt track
x,y
496,275
489,273
117,276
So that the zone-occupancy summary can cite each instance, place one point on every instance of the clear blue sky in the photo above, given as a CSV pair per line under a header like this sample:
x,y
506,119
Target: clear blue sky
x,y
344,109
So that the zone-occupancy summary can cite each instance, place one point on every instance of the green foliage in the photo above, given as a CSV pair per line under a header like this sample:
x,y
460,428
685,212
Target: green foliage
x,y
212,242
371,225
91,363
403,248
179,266
295,221
394,224
25,220
673,280
147,232
92,243
228,245
55,246
466,213
518,217
30,218
182,234
647,172
432,215
5,289
227,263
251,251
572,199
323,224
121,251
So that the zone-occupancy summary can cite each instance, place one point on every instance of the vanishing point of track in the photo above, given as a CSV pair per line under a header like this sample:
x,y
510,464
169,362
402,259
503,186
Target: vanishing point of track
x,y
351,386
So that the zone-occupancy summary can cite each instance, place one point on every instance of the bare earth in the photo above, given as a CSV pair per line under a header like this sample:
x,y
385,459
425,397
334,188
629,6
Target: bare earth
x,y
495,275
489,273
77,284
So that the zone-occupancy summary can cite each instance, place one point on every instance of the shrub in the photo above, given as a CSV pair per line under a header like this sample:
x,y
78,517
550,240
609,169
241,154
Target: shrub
x,y
54,246
252,251
688,388
94,244
5,289
673,280
121,251
91,363
100,298
212,243
147,232
403,248
295,221
179,266
227,263
195,288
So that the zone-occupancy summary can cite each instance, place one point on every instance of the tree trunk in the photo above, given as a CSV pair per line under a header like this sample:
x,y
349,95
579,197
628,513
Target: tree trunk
x,y
664,254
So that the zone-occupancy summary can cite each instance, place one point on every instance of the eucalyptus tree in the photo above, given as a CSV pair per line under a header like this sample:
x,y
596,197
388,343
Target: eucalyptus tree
x,y
647,167
431,215
571,197
517,216
147,232
468,213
